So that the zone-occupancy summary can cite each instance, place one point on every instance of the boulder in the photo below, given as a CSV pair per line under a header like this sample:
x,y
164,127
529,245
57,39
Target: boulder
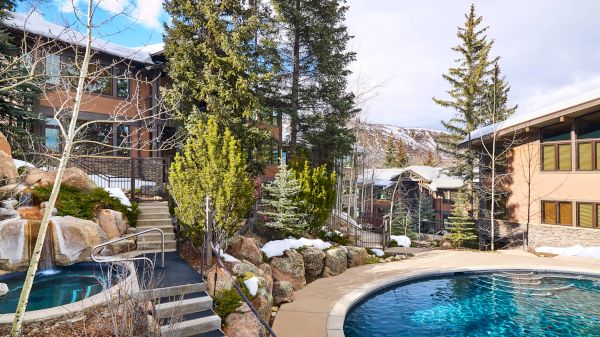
x,y
111,222
357,256
11,190
290,268
14,252
73,177
5,146
267,274
240,269
335,261
217,280
3,289
119,247
8,170
314,261
74,239
283,292
7,209
263,300
242,323
245,248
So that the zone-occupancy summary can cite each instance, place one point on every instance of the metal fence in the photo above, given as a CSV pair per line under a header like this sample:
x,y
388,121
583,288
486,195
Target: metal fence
x,y
368,232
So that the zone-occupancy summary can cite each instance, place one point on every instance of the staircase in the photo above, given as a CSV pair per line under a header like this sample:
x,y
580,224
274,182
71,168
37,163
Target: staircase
x,y
155,215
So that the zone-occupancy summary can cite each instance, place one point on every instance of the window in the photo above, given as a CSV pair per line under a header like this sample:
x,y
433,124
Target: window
x,y
123,140
500,208
97,139
548,157
557,132
585,214
448,197
588,127
102,79
588,150
556,157
584,156
557,213
122,83
53,68
52,135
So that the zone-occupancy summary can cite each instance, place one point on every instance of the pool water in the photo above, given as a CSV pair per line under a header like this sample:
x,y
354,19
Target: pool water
x,y
59,286
484,304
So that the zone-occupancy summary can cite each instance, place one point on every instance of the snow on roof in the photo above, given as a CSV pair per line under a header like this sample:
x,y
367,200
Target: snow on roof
x,y
35,24
516,120
379,177
152,48
434,177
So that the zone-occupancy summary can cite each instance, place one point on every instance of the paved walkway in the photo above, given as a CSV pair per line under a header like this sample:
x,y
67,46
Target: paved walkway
x,y
176,271
326,299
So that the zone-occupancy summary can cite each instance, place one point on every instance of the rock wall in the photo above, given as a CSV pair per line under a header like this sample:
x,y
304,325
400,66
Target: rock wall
x,y
562,236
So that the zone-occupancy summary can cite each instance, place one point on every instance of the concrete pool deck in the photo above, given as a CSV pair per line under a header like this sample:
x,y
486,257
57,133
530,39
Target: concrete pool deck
x,y
320,308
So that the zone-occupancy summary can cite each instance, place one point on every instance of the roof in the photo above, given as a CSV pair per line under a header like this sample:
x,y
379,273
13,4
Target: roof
x,y
35,24
434,178
529,119
379,177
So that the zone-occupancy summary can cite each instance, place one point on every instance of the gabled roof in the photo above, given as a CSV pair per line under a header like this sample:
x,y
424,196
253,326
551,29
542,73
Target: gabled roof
x,y
433,178
35,24
573,105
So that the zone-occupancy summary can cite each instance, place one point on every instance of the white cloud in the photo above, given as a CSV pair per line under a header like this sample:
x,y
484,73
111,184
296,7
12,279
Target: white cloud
x,y
149,12
145,12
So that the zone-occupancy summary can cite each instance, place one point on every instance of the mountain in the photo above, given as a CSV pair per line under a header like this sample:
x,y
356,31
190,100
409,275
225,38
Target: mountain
x,y
418,142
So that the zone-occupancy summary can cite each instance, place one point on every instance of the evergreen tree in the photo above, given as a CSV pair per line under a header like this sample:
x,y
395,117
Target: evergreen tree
x,y
430,159
210,164
222,60
315,63
283,205
16,104
402,220
460,223
390,152
424,211
395,153
496,107
467,87
401,155
317,194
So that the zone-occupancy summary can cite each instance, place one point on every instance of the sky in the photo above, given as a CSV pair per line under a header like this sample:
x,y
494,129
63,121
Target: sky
x,y
549,49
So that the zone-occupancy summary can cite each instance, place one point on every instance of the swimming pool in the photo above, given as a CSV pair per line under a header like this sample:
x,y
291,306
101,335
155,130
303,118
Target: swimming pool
x,y
481,304
58,286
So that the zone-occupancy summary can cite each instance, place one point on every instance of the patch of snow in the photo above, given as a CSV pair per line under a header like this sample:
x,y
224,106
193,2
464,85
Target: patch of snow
x,y
21,163
378,252
119,194
346,217
108,181
252,285
402,240
228,258
277,247
577,250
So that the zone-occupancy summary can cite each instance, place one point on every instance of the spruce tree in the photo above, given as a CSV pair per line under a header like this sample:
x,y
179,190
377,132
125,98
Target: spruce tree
x,y
317,194
460,224
222,60
496,107
424,212
390,152
430,159
16,104
467,88
283,208
401,154
316,61
395,153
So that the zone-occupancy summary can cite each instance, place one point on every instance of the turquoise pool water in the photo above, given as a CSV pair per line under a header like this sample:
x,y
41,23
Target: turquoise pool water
x,y
484,304
59,286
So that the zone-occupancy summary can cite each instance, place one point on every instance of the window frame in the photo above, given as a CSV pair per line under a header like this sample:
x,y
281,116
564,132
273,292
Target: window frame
x,y
595,222
557,213
556,146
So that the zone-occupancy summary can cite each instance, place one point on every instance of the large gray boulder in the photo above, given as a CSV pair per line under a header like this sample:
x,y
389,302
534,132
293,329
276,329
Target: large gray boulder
x,y
74,239
242,323
283,292
289,268
314,261
14,252
357,256
335,261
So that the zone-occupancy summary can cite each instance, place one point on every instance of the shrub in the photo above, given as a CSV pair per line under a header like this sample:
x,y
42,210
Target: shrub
x,y
85,205
393,243
227,301
372,259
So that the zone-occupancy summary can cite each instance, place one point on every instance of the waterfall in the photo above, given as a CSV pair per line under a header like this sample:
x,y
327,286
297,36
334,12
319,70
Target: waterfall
x,y
25,199
46,255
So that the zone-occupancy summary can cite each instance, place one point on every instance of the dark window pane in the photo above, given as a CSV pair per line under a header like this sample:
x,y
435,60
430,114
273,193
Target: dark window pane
x,y
557,132
589,126
122,83
101,79
96,139
123,137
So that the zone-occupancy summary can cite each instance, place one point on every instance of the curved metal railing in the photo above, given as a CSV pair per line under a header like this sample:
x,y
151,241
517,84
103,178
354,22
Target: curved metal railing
x,y
98,258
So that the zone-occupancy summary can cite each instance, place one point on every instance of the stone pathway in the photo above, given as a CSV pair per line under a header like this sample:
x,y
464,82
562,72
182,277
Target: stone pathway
x,y
319,308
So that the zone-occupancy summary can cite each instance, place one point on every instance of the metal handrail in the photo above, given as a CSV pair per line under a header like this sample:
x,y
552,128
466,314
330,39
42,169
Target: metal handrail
x,y
102,259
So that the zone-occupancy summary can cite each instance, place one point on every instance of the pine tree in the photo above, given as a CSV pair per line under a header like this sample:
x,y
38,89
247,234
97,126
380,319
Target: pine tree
x,y
17,104
467,87
315,59
495,107
424,211
317,194
430,159
401,154
222,60
395,153
460,223
210,164
390,152
282,204
402,220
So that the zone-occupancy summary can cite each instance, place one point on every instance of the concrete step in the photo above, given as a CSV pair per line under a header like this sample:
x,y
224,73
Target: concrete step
x,y
173,291
154,216
164,227
154,236
153,203
154,209
155,245
179,308
192,327
153,223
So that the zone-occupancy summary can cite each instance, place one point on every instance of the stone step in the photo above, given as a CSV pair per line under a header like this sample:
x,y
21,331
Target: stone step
x,y
154,236
173,291
154,203
179,308
154,223
192,327
155,245
154,216
154,209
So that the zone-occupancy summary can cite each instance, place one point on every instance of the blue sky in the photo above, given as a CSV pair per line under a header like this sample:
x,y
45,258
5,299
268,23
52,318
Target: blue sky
x,y
549,49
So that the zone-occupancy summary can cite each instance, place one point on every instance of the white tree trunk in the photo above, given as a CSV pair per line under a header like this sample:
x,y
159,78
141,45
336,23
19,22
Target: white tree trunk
x,y
35,257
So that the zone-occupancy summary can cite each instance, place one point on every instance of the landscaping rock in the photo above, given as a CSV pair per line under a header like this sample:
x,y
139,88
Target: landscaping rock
x,y
43,209
242,323
74,239
11,190
245,248
263,300
14,253
5,146
8,170
357,256
240,269
447,244
3,289
73,177
7,209
335,261
283,292
290,268
111,222
217,280
123,246
314,261
267,274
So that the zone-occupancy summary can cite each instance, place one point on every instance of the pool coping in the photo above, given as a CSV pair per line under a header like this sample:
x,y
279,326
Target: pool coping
x,y
337,315
130,283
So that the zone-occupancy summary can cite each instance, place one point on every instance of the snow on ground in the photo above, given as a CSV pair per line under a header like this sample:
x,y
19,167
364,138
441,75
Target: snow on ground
x,y
577,250
107,181
403,241
228,258
344,216
252,285
21,163
378,252
119,194
277,247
